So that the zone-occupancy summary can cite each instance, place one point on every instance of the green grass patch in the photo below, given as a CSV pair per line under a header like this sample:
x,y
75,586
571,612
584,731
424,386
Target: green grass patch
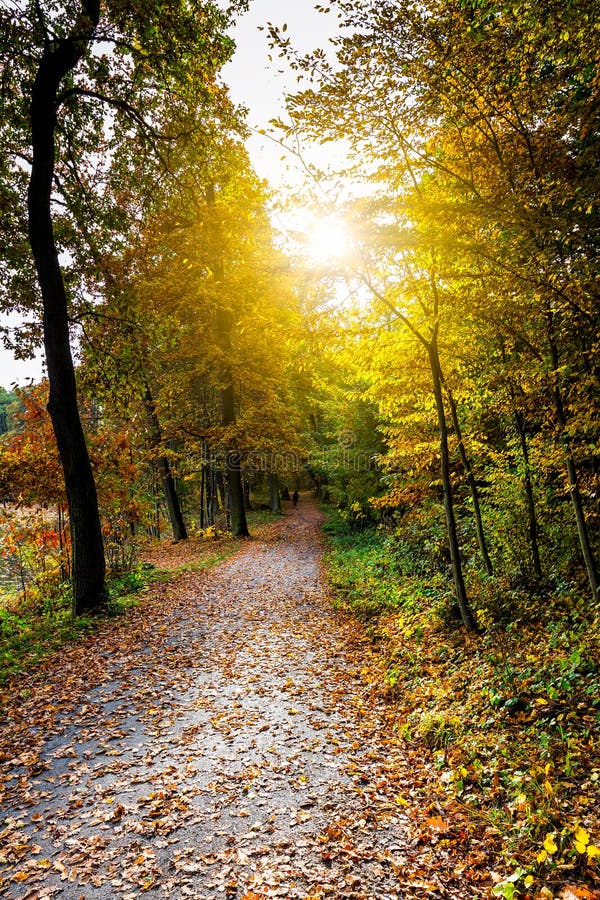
x,y
33,627
506,722
258,517
369,574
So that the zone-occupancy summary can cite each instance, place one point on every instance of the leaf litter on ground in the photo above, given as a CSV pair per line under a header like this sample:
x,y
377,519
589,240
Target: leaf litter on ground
x,y
226,738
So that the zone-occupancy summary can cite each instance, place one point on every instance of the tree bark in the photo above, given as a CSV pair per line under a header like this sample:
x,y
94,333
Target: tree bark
x,y
574,492
233,467
202,495
172,500
466,613
212,498
164,467
468,469
247,500
237,511
89,567
274,496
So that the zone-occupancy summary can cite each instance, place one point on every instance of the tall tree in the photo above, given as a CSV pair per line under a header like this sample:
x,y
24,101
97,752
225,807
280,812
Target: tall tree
x,y
59,59
85,88
224,327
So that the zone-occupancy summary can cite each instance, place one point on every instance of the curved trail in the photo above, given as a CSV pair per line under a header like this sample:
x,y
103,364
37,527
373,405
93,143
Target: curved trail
x,y
220,743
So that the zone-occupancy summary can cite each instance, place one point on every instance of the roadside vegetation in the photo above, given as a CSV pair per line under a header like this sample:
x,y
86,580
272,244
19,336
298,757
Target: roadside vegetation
x,y
38,620
507,721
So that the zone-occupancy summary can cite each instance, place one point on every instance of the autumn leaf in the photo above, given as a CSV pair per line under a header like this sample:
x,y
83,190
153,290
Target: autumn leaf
x,y
550,844
437,823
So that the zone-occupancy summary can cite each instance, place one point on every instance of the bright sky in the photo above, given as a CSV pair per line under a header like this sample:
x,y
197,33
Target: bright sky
x,y
255,83
261,85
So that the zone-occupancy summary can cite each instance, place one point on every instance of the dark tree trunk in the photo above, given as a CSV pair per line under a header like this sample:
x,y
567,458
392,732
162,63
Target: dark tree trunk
x,y
233,470
247,501
237,512
574,492
172,500
466,613
219,498
202,495
274,497
210,493
233,467
468,469
89,567
164,467
212,500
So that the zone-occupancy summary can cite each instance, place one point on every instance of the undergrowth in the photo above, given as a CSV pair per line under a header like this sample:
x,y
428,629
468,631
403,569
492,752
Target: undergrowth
x,y
33,627
40,622
508,721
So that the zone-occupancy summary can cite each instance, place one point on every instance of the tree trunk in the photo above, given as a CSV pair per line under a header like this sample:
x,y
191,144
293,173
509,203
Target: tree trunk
x,y
575,493
220,499
212,500
172,500
274,498
237,512
233,467
202,495
468,469
466,613
164,467
233,470
89,567
247,501
210,493
532,523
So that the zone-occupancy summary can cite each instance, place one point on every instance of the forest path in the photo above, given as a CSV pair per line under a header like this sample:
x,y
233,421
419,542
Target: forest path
x,y
219,742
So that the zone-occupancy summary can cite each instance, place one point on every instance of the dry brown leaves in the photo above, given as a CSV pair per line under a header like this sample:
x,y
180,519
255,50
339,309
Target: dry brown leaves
x,y
227,739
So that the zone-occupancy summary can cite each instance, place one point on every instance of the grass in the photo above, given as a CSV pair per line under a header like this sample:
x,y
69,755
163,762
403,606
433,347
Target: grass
x,y
31,628
508,721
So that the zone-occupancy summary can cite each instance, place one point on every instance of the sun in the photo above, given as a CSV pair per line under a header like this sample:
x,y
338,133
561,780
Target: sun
x,y
328,241
321,238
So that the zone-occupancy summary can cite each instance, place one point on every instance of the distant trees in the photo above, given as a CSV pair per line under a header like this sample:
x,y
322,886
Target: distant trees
x,y
197,331
9,403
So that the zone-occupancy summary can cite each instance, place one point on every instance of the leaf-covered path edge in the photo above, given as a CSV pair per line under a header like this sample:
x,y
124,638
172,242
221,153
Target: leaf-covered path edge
x,y
227,738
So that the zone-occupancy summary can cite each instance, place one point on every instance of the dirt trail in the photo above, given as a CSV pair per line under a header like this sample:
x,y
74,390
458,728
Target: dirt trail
x,y
221,743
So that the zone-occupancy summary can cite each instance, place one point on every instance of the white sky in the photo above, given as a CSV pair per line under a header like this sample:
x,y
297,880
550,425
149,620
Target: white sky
x,y
255,83
260,85
17,371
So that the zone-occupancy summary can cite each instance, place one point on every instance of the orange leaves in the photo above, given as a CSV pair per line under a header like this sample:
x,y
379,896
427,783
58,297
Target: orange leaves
x,y
437,824
30,467
118,813
578,892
